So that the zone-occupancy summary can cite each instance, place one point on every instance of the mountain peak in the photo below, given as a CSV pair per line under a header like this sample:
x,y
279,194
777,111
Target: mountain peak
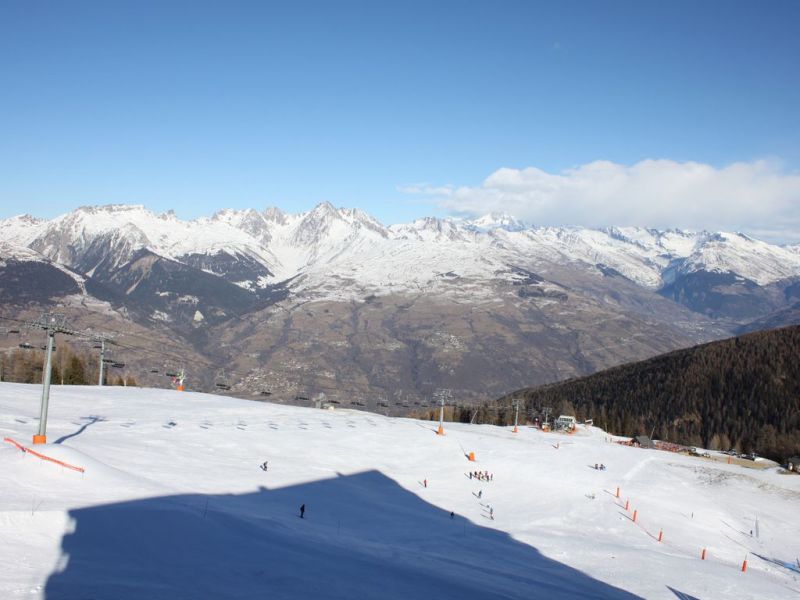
x,y
497,220
275,214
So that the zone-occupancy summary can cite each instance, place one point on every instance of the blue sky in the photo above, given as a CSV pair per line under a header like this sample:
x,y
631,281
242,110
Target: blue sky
x,y
197,105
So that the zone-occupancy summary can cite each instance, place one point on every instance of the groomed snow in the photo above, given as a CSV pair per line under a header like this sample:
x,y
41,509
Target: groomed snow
x,y
173,504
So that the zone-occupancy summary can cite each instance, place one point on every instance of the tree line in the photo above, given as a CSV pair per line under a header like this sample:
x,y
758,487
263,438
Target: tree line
x,y
69,367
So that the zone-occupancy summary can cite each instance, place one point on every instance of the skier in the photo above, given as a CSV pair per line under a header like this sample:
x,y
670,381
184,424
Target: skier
x,y
265,466
452,515
491,513
480,494
425,483
302,510
470,475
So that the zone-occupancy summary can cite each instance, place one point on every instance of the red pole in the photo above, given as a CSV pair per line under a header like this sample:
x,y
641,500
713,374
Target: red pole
x,y
703,555
744,566
617,492
660,535
634,515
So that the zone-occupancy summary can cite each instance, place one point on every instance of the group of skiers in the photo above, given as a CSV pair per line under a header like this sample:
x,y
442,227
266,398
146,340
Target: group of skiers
x,y
600,467
485,476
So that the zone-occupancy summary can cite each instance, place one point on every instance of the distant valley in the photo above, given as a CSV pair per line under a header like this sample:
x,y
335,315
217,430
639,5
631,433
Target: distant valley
x,y
333,305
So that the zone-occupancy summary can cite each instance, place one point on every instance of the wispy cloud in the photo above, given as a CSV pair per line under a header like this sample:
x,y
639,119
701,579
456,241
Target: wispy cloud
x,y
757,197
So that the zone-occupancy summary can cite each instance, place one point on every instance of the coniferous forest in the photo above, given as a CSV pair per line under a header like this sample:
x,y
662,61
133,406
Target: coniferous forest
x,y
69,367
741,393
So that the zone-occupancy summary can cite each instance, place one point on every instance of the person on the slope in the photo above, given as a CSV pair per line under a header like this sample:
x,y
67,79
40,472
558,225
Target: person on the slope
x,y
302,510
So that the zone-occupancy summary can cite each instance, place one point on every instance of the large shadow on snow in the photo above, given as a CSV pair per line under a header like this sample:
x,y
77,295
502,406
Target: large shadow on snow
x,y
364,536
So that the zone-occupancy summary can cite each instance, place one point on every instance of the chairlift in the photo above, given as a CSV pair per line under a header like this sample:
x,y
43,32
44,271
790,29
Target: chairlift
x,y
118,365
334,402
45,347
301,397
266,393
154,370
25,346
108,360
13,331
170,374
222,381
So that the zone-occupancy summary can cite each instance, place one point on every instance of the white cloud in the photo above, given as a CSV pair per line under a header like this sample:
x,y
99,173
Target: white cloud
x,y
756,197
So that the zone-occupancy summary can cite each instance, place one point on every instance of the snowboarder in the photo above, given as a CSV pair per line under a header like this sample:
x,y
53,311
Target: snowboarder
x,y
302,510
265,465
452,515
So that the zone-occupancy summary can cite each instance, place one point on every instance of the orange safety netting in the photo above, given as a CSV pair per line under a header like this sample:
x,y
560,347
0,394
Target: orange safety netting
x,y
43,457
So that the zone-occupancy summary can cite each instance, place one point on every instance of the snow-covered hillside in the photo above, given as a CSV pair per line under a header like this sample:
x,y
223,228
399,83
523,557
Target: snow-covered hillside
x,y
173,504
357,251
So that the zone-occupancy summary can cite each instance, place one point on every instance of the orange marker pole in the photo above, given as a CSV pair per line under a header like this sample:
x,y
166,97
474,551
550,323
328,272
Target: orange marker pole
x,y
703,554
617,492
627,504
660,535
744,566
635,513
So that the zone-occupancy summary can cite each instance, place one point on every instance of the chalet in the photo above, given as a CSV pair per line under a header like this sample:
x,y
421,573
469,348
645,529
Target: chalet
x,y
565,422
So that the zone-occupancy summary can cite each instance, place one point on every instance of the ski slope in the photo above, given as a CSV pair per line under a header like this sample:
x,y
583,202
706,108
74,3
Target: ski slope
x,y
173,504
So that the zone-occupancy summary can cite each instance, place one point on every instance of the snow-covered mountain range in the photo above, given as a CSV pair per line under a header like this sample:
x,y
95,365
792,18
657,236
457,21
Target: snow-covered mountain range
x,y
349,244
483,305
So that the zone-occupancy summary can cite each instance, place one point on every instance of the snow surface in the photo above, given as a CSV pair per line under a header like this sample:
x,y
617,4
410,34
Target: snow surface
x,y
173,504
349,246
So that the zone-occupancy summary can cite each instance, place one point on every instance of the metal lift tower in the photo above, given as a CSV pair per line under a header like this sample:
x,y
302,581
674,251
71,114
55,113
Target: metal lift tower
x,y
52,323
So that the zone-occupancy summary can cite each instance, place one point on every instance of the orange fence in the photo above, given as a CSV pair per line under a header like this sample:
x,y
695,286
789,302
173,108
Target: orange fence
x,y
43,457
